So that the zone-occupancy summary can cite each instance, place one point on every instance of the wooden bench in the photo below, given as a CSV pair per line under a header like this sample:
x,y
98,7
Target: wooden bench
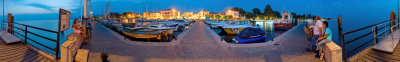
x,y
333,52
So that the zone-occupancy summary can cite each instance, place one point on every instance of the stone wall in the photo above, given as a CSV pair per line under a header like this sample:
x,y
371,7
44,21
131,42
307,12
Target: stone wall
x,y
333,52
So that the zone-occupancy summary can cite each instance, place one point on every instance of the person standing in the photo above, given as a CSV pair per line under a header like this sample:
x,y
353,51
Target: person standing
x,y
318,28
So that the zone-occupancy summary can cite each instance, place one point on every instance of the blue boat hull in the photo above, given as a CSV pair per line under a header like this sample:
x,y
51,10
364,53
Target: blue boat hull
x,y
249,40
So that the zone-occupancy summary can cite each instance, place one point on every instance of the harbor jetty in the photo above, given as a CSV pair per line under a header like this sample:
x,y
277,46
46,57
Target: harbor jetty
x,y
198,43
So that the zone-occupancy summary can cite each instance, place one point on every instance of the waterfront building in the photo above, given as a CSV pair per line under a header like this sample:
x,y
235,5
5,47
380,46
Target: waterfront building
x,y
145,15
169,14
234,14
155,16
202,14
187,15
215,16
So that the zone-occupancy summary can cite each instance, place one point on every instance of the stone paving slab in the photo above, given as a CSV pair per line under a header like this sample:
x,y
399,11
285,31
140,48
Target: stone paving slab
x,y
199,44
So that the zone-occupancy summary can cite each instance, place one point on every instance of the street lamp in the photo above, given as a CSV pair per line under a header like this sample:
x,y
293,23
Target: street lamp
x,y
398,13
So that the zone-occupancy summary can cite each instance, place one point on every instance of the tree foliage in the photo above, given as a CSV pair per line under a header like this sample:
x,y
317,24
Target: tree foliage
x,y
257,11
268,11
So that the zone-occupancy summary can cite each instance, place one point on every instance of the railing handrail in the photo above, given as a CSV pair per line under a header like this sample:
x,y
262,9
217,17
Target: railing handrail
x,y
375,28
37,28
352,31
26,31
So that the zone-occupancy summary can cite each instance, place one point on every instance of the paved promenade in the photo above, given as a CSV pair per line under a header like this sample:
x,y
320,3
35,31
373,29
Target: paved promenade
x,y
199,44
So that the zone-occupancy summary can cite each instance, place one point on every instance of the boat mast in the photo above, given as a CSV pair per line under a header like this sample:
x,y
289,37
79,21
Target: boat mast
x,y
81,11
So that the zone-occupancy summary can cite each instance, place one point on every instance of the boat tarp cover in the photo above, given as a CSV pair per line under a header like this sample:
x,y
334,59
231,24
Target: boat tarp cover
x,y
256,39
249,31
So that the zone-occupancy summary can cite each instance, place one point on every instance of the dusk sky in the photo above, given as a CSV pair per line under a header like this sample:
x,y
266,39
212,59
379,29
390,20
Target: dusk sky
x,y
48,9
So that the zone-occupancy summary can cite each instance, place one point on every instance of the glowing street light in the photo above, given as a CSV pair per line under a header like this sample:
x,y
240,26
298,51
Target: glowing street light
x,y
173,10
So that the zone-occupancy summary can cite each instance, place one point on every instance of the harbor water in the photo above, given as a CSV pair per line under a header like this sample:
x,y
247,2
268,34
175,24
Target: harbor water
x,y
46,24
267,26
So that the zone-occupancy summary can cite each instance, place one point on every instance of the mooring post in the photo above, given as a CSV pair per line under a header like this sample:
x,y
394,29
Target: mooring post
x,y
341,36
10,23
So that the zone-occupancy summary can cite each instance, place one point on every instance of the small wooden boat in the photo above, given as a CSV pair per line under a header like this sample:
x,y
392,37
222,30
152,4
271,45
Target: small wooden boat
x,y
144,33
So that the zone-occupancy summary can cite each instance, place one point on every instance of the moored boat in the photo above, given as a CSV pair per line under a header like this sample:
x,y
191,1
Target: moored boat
x,y
285,22
144,33
283,25
170,30
236,27
249,35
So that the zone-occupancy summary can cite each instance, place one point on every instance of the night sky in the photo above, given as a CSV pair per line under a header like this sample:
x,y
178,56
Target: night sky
x,y
354,9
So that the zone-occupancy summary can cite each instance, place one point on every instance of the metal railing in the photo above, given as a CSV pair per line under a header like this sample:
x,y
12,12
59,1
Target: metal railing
x,y
377,30
23,34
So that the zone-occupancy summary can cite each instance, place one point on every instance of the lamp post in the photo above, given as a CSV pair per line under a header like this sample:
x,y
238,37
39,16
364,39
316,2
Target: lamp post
x,y
3,18
81,12
398,13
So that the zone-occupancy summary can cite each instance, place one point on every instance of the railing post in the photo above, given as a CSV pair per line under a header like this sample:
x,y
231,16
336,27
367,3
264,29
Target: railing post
x,y
26,34
376,33
58,45
341,36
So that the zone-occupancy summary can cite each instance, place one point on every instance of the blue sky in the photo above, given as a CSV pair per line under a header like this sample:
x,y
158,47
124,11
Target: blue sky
x,y
48,9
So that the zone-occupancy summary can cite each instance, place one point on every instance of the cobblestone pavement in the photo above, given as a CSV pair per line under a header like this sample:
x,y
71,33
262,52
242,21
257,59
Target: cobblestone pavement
x,y
199,44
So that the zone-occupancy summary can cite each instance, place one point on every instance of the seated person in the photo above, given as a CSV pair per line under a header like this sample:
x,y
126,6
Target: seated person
x,y
76,26
326,38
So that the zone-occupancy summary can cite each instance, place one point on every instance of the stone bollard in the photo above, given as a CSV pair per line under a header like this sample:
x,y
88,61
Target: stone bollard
x,y
333,52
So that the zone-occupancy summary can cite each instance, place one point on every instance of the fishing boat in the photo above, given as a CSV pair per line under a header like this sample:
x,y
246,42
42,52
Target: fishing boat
x,y
182,22
282,25
216,24
236,27
285,22
250,35
170,30
144,33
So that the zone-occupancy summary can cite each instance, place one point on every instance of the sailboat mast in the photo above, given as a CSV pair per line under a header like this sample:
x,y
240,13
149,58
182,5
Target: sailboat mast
x,y
81,11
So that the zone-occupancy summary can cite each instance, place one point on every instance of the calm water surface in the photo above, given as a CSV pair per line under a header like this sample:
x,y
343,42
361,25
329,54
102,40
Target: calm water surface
x,y
46,24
